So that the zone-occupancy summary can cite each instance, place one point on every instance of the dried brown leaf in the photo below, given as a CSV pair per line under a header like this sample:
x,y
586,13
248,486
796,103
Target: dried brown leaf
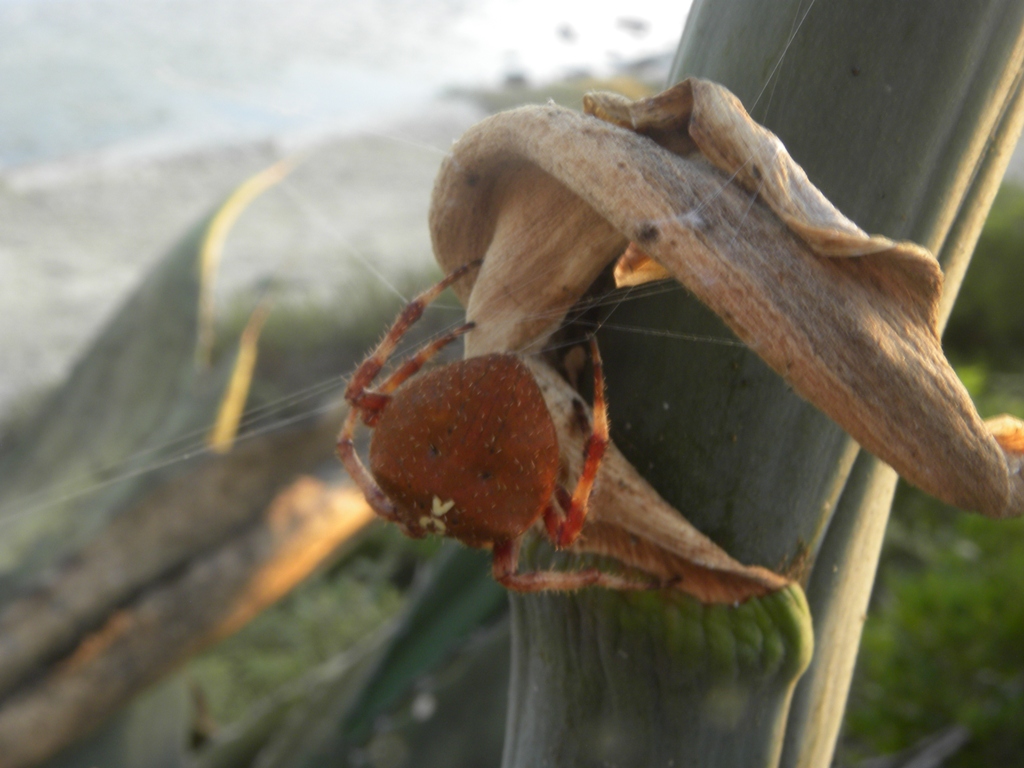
x,y
549,197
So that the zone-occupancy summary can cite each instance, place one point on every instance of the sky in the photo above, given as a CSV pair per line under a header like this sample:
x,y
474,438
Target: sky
x,y
82,75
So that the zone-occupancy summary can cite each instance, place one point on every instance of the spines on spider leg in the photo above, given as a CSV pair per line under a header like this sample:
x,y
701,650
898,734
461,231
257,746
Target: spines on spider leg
x,y
346,451
373,402
593,453
411,366
552,517
412,312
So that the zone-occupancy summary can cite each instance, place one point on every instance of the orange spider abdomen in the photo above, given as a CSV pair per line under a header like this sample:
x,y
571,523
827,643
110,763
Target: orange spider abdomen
x,y
468,450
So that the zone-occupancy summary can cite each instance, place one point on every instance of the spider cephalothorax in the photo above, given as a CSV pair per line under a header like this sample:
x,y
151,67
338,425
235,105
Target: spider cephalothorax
x,y
469,450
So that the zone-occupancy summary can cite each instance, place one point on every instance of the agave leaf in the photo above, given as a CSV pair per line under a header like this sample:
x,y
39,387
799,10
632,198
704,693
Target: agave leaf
x,y
132,401
457,600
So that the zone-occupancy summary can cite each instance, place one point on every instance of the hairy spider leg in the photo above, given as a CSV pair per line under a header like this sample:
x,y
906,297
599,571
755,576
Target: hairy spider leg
x,y
505,567
346,450
370,404
406,370
563,531
356,392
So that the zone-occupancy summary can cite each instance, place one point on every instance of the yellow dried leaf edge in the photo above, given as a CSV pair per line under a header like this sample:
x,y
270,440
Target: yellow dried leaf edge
x,y
549,197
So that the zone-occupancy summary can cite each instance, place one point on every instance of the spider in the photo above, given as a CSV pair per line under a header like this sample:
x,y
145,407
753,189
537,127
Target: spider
x,y
469,450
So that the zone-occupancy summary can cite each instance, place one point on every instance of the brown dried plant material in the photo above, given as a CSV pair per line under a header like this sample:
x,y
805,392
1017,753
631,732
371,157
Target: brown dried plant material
x,y
194,512
549,197
208,599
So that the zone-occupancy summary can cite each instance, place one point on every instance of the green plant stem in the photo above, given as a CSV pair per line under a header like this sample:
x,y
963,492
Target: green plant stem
x,y
903,116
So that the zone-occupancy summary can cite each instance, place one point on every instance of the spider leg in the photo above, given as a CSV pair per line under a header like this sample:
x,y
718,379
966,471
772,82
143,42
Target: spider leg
x,y
346,451
505,567
593,452
554,517
373,402
369,369
412,365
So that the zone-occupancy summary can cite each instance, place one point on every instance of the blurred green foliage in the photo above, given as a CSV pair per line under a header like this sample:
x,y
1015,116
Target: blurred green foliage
x,y
987,324
325,616
944,640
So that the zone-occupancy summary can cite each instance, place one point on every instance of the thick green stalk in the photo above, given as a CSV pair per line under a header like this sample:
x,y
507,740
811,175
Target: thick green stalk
x,y
904,117
606,678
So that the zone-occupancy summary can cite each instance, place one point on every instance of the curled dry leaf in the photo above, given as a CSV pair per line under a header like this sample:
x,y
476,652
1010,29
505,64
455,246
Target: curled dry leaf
x,y
549,197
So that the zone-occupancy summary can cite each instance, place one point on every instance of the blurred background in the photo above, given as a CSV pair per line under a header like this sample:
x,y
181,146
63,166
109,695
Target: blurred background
x,y
124,124
121,122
